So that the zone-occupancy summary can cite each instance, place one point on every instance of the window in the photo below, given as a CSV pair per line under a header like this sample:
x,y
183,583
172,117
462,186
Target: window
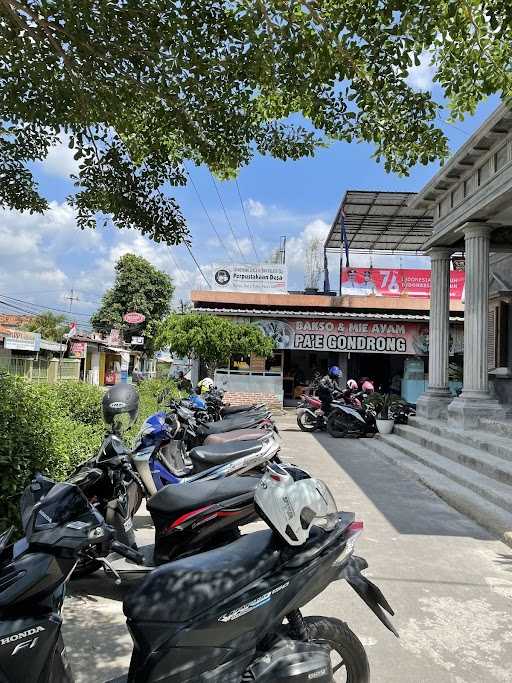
x,y
497,356
446,205
484,172
239,363
501,157
458,195
274,363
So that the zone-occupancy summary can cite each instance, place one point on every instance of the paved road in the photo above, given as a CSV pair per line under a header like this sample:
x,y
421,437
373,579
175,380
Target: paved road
x,y
449,582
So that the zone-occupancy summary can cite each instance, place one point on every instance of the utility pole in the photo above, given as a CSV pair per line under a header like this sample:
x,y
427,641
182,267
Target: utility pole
x,y
72,298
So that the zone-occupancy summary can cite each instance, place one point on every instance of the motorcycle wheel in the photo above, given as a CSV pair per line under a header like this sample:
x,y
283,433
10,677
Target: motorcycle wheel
x,y
337,426
305,424
349,661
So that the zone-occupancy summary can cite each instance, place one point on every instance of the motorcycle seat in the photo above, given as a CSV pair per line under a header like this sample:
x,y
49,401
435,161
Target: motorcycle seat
x,y
230,424
255,434
177,499
233,410
180,590
218,454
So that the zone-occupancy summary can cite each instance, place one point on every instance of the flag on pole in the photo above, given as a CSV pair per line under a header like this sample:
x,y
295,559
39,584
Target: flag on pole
x,y
72,330
343,244
344,236
327,284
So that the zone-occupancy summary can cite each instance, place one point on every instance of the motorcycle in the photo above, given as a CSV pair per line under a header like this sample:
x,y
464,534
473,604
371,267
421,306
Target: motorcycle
x,y
351,421
310,415
218,410
161,456
217,616
116,480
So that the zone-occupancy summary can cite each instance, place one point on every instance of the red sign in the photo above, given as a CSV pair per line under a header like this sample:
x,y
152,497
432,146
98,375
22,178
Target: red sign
x,y
78,349
396,282
134,318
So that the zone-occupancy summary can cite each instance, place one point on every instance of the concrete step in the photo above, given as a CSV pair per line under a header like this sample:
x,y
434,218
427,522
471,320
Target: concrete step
x,y
493,491
490,516
501,428
485,463
492,443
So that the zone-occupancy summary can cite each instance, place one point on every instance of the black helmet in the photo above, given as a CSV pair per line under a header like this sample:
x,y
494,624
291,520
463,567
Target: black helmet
x,y
120,407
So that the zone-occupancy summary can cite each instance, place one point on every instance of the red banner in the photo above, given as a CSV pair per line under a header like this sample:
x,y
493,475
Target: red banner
x,y
395,282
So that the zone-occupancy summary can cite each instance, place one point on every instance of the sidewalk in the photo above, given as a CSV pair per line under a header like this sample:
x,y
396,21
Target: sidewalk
x,y
449,582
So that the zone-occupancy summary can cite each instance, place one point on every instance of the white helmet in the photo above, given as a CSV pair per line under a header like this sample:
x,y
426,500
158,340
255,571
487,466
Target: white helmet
x,y
291,507
206,383
352,385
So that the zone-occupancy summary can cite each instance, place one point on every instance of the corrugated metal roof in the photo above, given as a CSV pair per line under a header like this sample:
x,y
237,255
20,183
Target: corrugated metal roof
x,y
262,313
382,221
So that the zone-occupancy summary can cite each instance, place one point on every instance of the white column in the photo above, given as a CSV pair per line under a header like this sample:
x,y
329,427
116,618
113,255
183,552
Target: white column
x,y
475,400
476,312
435,400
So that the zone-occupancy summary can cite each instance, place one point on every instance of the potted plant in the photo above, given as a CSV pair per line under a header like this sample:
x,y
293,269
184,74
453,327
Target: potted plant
x,y
384,406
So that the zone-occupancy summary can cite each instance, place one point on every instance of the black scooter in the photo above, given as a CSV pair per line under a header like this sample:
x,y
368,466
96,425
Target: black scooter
x,y
231,615
201,513
351,421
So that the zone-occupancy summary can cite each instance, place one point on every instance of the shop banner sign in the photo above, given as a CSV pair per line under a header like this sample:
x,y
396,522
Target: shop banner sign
x,y
264,277
19,340
396,282
78,350
348,335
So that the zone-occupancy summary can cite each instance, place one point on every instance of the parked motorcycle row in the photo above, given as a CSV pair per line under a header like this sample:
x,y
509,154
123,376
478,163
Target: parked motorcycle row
x,y
351,414
208,600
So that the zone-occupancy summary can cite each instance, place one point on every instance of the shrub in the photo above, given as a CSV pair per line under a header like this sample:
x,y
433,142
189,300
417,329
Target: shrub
x,y
81,402
37,435
51,428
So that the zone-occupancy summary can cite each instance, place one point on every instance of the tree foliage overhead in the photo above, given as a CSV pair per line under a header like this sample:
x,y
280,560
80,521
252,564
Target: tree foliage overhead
x,y
141,87
211,338
139,287
50,326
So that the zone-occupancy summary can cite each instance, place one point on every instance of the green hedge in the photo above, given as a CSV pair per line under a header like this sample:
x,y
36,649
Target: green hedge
x,y
51,428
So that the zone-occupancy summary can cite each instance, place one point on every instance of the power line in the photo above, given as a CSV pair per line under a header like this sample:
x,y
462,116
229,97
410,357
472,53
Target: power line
x,y
449,123
179,270
219,237
197,264
251,237
226,215
40,306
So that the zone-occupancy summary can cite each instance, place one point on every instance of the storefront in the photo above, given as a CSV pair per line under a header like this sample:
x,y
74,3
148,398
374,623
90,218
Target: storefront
x,y
389,348
26,354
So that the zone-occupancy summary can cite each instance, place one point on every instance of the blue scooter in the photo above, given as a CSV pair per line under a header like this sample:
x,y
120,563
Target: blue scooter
x,y
159,454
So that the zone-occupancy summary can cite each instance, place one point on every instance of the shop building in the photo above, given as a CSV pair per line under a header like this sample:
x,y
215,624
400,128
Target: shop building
x,y
384,338
470,200
26,354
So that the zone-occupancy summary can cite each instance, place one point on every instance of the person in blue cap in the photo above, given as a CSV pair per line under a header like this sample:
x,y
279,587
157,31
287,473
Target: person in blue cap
x,y
329,384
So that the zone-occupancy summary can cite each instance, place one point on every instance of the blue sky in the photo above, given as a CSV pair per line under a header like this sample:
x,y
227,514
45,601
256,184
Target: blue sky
x,y
43,257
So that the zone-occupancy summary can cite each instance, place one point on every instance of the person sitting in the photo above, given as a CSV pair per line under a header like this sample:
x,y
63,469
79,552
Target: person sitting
x,y
327,386
367,385
183,383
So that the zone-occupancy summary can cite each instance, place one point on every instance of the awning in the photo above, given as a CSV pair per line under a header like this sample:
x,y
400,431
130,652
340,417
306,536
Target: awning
x,y
380,221
263,313
47,345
